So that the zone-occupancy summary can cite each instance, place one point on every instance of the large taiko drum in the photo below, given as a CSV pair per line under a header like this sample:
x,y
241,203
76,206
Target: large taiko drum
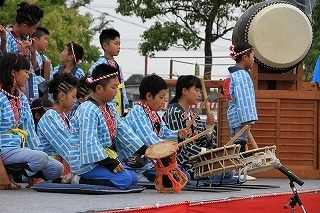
x,y
280,33
216,161
169,178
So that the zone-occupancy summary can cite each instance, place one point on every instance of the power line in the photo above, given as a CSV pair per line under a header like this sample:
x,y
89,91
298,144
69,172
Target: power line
x,y
107,14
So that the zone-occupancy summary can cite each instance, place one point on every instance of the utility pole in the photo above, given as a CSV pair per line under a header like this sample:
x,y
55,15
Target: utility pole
x,y
170,77
145,65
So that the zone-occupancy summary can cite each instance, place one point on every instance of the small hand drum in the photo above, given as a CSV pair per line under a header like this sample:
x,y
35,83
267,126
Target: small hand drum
x,y
169,178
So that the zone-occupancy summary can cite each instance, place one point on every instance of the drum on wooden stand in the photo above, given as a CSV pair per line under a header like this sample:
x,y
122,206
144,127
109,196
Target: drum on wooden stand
x,y
216,161
169,178
280,33
256,159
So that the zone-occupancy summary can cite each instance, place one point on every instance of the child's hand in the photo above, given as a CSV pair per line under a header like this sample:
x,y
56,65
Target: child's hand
x,y
210,119
2,33
183,133
119,168
33,46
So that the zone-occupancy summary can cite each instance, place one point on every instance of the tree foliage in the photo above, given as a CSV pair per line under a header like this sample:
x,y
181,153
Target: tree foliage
x,y
185,23
64,24
314,53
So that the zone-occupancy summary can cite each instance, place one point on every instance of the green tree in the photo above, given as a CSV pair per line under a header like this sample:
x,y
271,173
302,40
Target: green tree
x,y
134,79
64,24
314,53
184,23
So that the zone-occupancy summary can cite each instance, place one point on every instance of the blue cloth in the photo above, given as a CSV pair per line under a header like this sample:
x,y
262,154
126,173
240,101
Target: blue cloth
x,y
234,131
83,189
316,71
242,107
121,180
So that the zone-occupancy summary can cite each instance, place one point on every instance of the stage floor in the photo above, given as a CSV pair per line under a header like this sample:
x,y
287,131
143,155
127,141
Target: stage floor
x,y
28,200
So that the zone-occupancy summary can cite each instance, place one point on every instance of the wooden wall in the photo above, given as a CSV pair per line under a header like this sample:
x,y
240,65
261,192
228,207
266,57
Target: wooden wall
x,y
289,120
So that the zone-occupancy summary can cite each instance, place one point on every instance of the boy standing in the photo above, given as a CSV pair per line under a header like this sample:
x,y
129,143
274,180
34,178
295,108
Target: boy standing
x,y
44,66
110,43
239,91
41,37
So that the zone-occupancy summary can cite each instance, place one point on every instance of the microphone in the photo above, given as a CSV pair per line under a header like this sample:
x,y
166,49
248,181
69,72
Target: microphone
x,y
292,177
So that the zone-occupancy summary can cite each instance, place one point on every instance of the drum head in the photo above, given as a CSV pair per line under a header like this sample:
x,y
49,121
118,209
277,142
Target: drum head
x,y
281,35
161,149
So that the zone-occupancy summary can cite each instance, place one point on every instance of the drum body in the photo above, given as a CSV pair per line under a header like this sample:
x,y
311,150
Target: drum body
x,y
258,160
280,33
216,161
169,178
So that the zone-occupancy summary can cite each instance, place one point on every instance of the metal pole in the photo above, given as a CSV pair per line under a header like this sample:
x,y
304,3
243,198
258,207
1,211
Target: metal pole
x,y
170,77
145,65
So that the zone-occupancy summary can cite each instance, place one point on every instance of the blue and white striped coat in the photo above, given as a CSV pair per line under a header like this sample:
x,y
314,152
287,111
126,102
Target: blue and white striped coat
x,y
242,107
90,135
12,47
139,121
79,73
9,140
55,138
103,60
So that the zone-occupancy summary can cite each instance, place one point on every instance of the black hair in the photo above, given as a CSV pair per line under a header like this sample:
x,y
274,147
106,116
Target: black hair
x,y
82,89
241,47
78,50
185,81
9,62
38,106
99,71
153,84
64,82
40,31
108,34
28,14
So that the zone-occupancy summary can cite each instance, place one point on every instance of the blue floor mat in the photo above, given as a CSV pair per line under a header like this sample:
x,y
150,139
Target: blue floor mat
x,y
83,189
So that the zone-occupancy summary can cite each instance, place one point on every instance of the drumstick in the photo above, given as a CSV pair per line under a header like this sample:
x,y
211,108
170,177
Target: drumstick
x,y
194,137
251,139
205,95
197,113
245,128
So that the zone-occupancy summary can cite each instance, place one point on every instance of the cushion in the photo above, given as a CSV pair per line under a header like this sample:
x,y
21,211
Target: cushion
x,y
83,189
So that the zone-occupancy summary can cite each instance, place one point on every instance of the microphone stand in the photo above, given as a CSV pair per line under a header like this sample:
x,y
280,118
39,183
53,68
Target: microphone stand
x,y
294,199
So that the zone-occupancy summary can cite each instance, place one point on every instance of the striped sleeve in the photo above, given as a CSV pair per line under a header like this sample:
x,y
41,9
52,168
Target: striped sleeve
x,y
54,134
54,71
126,140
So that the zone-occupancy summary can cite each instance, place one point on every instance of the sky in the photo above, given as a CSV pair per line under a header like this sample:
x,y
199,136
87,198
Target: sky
x,y
131,29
